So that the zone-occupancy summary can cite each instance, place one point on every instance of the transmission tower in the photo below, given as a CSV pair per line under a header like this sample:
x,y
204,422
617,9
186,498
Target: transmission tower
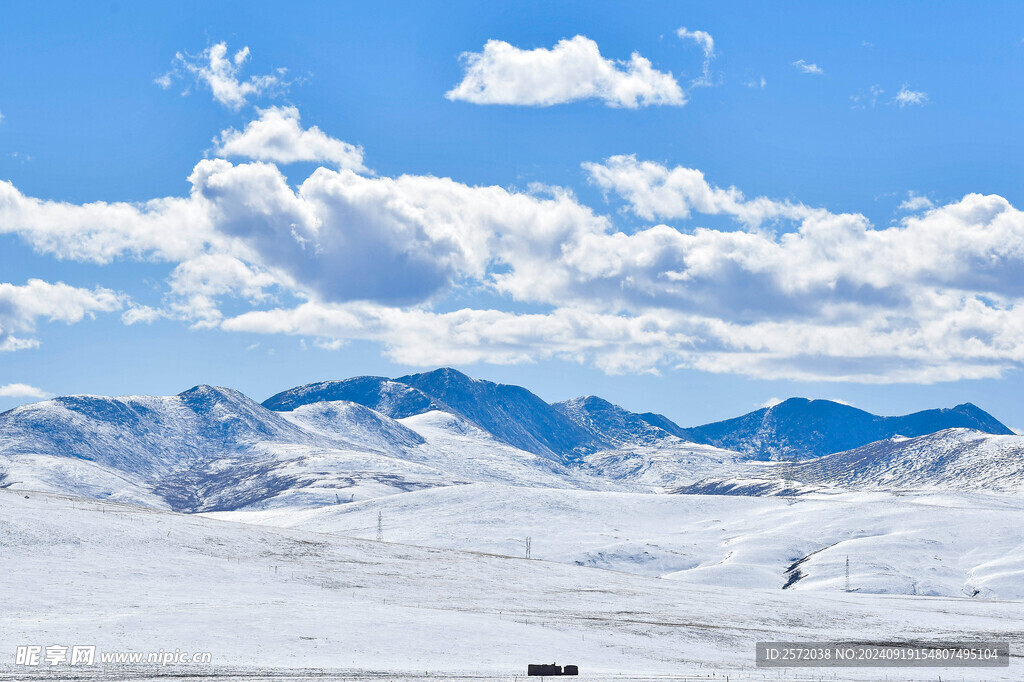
x,y
847,572
528,547
380,527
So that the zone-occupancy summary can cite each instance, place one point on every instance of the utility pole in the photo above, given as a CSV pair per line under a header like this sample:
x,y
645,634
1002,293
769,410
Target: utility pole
x,y
527,548
380,527
847,572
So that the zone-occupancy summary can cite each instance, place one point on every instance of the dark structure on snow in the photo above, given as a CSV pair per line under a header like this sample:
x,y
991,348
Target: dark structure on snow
x,y
545,670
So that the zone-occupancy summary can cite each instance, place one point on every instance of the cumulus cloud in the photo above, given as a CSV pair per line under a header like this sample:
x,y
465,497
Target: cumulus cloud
x,y
169,229
215,69
22,306
806,67
782,290
907,97
655,191
22,391
277,136
572,70
707,45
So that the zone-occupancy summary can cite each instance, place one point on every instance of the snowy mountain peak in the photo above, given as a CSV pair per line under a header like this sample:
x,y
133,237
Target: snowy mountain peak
x,y
511,413
610,423
391,398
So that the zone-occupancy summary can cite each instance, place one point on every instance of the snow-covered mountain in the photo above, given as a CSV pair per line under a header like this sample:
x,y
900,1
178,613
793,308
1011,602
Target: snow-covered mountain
x,y
611,424
951,459
145,435
511,414
215,449
799,428
391,398
341,420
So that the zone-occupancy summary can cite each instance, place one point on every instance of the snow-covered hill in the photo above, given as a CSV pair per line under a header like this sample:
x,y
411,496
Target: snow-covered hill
x,y
938,544
266,602
214,449
665,465
144,435
345,421
952,459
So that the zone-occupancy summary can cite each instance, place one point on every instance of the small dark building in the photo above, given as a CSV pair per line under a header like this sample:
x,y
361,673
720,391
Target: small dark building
x,y
543,669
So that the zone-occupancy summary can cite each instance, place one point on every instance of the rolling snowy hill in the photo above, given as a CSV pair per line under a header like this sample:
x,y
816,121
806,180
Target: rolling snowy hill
x,y
962,459
266,602
937,544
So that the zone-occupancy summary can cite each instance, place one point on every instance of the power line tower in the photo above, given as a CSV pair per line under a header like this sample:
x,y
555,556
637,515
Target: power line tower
x,y
528,543
380,527
847,572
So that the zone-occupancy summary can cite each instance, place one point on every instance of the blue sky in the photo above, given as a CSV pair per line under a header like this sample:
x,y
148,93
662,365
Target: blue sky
x,y
828,210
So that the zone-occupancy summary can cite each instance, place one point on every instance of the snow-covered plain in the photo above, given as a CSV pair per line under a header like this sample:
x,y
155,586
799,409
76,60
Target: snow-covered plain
x,y
937,544
260,598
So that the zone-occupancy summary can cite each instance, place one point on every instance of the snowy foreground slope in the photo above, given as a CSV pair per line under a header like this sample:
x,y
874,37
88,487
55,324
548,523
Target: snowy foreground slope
x,y
938,544
260,598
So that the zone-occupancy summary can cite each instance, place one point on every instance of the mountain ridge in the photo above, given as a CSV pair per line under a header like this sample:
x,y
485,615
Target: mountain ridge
x,y
214,448
799,428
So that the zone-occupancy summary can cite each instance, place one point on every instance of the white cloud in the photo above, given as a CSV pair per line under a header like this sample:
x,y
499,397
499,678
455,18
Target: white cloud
x,y
907,97
1,117
140,313
572,70
771,402
22,391
197,285
783,291
655,191
707,45
806,67
22,306
757,83
278,137
169,229
215,69
915,202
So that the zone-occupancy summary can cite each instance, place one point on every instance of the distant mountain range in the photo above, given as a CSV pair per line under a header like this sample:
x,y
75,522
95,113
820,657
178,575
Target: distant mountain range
x,y
336,441
800,429
795,429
